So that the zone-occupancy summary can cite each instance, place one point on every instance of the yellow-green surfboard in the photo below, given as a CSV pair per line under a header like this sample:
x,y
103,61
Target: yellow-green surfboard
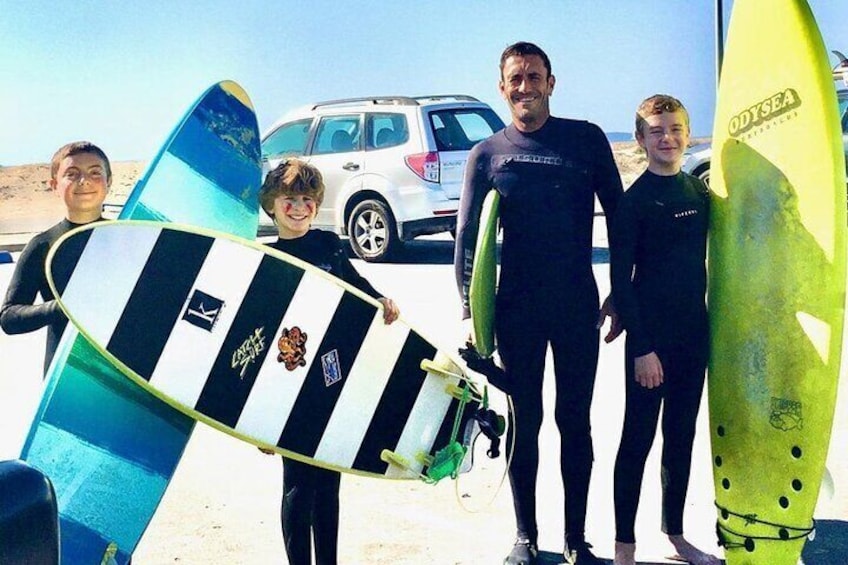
x,y
776,279
484,278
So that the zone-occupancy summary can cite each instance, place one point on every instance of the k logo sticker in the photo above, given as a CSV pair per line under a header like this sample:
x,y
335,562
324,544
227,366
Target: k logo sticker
x,y
203,310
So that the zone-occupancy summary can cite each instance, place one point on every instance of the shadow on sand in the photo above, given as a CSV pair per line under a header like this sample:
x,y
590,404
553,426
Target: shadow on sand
x,y
551,558
830,546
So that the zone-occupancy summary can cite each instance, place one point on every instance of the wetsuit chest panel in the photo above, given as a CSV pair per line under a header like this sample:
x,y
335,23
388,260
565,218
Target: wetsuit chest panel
x,y
670,274
675,225
544,188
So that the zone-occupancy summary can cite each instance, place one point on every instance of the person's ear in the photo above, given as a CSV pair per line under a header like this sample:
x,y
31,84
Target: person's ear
x,y
640,139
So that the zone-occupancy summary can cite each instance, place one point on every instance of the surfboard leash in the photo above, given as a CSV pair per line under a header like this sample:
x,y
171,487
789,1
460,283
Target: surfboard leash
x,y
510,451
784,532
447,461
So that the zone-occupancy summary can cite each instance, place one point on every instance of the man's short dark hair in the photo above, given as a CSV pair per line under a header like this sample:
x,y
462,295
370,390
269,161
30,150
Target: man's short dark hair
x,y
523,49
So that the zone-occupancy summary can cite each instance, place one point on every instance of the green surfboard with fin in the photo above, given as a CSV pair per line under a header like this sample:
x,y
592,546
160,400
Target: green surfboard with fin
x,y
776,280
484,277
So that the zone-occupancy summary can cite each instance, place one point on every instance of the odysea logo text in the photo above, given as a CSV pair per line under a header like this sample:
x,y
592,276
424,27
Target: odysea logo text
x,y
763,111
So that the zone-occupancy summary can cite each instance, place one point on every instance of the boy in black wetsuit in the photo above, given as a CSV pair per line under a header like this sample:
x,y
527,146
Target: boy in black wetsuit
x,y
80,174
548,172
291,195
658,272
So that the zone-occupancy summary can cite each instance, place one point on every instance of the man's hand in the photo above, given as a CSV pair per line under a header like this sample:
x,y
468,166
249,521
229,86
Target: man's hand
x,y
608,309
649,371
390,310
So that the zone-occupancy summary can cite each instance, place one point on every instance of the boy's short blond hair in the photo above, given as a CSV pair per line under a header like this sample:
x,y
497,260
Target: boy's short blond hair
x,y
75,148
658,104
290,178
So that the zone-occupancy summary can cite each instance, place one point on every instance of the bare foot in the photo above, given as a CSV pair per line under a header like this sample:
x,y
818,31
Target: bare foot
x,y
625,553
688,553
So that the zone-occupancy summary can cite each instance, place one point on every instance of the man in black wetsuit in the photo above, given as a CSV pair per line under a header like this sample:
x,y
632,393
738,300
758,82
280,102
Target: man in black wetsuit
x,y
291,195
658,272
548,171
80,174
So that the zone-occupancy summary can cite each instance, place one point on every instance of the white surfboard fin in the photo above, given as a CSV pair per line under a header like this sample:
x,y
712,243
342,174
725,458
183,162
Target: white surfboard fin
x,y
828,488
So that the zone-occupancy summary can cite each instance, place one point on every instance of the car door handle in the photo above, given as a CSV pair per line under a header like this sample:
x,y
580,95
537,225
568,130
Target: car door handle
x,y
351,166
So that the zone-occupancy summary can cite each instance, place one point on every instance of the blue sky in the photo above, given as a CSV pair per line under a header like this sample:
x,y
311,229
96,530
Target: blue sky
x,y
122,73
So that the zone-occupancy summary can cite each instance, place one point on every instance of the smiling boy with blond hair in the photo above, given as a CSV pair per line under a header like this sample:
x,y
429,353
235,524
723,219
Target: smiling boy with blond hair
x,y
658,272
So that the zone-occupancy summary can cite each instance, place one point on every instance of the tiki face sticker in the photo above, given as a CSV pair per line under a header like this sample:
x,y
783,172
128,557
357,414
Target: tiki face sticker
x,y
292,348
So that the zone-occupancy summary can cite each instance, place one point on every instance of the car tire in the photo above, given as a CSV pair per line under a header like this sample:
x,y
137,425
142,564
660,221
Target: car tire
x,y
372,231
704,174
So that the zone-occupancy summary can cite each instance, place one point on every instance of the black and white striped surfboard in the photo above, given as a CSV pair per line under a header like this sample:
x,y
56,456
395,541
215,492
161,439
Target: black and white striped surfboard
x,y
259,345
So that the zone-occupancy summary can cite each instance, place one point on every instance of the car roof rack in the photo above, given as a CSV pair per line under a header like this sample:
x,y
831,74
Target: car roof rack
x,y
390,100
394,100
463,97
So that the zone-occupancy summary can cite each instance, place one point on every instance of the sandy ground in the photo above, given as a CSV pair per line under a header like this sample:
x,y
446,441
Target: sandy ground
x,y
223,504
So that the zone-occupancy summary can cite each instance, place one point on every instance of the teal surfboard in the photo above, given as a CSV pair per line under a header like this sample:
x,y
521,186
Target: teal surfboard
x,y
283,355
776,280
109,447
484,278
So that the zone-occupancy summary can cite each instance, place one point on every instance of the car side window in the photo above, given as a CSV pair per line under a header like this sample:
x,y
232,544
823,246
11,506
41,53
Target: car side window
x,y
288,139
337,134
460,129
385,130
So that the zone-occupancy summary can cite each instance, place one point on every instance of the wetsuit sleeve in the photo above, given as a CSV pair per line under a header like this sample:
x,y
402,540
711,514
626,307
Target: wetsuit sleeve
x,y
608,185
19,314
345,270
623,241
475,186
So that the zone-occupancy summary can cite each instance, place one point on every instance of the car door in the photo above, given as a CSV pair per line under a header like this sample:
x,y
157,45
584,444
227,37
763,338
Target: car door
x,y
337,152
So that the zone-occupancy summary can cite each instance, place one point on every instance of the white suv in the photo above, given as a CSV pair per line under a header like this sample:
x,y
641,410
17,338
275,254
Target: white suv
x,y
392,165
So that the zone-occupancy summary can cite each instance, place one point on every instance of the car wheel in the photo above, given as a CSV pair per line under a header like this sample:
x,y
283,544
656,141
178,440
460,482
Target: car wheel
x,y
704,175
372,231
